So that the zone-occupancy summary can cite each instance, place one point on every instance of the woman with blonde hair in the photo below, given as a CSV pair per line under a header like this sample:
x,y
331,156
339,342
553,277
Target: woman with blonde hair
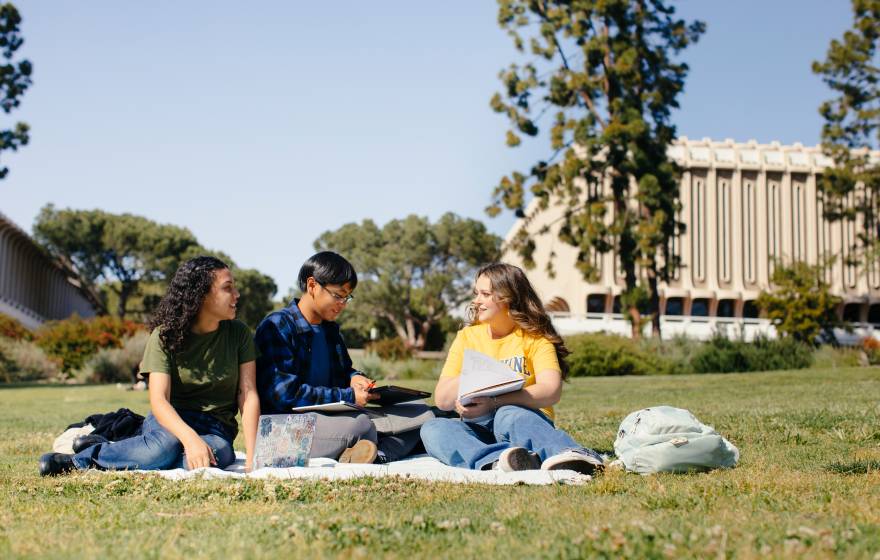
x,y
513,431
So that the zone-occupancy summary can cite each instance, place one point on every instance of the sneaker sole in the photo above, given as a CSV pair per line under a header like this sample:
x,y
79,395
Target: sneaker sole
x,y
520,461
576,465
363,452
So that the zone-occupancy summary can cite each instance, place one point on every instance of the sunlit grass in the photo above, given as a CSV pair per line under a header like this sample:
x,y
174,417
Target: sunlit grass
x,y
808,485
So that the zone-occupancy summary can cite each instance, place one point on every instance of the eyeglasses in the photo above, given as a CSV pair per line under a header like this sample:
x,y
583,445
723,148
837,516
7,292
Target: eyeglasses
x,y
337,297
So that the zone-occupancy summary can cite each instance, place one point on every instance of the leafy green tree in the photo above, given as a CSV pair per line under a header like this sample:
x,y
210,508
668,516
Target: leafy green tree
x,y
15,79
605,71
119,251
357,324
412,272
852,124
134,258
800,304
257,291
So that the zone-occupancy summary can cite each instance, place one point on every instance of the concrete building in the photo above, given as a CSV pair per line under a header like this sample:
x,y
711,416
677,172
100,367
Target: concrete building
x,y
744,205
34,288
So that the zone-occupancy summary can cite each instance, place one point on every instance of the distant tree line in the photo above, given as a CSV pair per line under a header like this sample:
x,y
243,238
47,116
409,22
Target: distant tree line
x,y
412,275
128,260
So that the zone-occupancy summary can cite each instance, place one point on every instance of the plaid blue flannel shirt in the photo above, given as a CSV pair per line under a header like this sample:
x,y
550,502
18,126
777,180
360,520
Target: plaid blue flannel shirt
x,y
284,339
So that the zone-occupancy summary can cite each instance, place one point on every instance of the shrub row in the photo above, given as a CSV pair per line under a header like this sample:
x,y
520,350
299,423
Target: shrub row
x,y
111,365
75,340
723,355
107,349
871,347
60,348
604,354
600,354
22,360
392,370
389,349
10,328
597,354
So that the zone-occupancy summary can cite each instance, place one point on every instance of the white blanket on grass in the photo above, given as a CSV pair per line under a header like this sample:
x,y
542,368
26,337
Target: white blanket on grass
x,y
420,467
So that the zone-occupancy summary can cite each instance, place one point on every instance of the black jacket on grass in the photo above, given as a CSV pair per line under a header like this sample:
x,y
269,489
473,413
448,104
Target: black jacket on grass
x,y
114,425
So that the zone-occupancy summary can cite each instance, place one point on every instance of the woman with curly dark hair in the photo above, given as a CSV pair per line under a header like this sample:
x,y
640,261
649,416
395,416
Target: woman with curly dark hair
x,y
201,365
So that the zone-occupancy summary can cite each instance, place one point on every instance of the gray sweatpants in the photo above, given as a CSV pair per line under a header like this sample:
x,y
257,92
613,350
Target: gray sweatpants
x,y
336,432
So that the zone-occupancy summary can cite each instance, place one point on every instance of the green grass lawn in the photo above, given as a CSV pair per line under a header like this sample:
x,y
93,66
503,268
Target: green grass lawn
x,y
808,485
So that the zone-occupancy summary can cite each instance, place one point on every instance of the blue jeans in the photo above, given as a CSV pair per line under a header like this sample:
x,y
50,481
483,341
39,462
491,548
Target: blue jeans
x,y
477,443
157,448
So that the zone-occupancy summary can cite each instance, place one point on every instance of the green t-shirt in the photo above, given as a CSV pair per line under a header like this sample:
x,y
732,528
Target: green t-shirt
x,y
204,376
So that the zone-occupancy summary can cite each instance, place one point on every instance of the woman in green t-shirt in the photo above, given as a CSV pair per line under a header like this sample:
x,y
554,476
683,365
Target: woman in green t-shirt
x,y
201,367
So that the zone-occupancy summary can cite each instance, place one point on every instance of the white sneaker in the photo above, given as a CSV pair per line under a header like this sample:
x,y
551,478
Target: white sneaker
x,y
573,460
517,459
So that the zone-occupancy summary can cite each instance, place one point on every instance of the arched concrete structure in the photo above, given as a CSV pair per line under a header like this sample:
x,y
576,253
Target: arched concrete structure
x,y
34,288
557,305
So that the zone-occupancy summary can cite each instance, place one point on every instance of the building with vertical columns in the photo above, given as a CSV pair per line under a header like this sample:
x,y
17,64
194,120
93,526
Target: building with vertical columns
x,y
744,206
34,288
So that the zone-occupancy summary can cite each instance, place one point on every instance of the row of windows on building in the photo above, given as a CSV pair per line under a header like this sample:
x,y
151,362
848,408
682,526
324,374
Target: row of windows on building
x,y
702,307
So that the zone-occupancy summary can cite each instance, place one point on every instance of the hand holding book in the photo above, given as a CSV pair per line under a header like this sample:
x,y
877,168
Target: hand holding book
x,y
476,407
484,376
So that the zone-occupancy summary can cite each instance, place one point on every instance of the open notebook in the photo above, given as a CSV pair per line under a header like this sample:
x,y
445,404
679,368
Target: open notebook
x,y
484,376
340,406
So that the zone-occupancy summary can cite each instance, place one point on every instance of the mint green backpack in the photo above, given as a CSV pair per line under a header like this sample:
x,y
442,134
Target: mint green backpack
x,y
669,439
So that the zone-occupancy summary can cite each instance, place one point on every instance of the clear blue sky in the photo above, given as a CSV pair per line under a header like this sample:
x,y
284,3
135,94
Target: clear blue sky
x,y
260,125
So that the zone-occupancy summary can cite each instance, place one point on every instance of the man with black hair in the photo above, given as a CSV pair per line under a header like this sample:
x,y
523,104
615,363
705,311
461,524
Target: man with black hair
x,y
303,361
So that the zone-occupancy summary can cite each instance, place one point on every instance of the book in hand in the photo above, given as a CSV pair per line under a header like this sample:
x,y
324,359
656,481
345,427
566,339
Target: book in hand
x,y
283,440
484,376
392,394
341,406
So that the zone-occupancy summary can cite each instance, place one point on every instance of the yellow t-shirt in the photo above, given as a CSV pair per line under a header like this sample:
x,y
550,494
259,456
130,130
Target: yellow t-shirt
x,y
523,353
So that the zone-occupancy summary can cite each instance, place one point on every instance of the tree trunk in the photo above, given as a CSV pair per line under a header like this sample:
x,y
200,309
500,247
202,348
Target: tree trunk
x,y
398,327
125,292
410,341
413,337
654,304
422,338
635,323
